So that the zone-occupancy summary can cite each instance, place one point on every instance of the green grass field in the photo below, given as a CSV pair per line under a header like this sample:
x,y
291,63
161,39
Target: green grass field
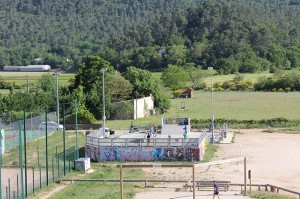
x,y
230,105
248,76
222,78
21,77
54,140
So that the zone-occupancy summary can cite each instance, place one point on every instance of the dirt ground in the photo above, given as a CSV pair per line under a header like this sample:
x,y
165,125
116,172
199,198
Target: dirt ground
x,y
273,158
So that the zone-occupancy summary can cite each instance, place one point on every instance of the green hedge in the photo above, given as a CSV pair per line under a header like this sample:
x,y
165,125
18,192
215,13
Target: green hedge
x,y
233,123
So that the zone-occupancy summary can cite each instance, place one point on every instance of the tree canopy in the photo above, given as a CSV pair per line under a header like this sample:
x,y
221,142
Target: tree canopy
x,y
229,35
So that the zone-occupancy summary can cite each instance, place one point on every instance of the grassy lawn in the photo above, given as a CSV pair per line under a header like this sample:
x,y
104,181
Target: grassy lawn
x,y
269,195
38,146
4,91
247,76
21,77
98,189
221,78
230,105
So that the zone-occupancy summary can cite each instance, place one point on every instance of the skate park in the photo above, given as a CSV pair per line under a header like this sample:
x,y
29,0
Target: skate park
x,y
173,142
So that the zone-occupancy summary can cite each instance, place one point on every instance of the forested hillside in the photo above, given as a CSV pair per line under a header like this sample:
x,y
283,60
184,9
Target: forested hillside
x,y
231,36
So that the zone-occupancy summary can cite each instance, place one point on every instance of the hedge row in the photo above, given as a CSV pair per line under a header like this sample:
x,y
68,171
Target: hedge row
x,y
233,123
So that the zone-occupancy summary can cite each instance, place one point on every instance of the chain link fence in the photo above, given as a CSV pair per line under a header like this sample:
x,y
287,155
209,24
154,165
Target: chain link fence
x,y
30,155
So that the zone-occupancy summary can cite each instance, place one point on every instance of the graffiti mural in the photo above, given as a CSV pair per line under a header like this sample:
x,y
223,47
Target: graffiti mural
x,y
142,154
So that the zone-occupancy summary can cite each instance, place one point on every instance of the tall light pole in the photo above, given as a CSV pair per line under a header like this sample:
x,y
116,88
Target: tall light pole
x,y
57,73
212,103
103,98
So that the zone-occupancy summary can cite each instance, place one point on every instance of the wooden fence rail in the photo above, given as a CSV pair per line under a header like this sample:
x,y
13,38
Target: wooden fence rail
x,y
265,186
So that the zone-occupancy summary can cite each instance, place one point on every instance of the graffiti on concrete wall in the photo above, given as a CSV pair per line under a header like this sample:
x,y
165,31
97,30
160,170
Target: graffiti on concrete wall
x,y
143,154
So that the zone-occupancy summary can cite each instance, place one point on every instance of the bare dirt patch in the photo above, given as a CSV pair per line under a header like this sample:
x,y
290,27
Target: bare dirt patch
x,y
273,159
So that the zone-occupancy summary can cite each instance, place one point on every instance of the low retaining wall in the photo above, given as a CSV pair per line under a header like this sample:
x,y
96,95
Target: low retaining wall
x,y
143,154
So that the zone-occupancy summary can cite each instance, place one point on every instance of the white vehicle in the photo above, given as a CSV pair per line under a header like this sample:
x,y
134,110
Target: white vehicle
x,y
51,126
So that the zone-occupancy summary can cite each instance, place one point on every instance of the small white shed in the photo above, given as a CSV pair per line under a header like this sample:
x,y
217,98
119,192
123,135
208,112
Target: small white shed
x,y
35,68
11,68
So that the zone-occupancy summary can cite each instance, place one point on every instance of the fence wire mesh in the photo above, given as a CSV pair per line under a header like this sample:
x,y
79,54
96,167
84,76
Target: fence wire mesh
x,y
36,169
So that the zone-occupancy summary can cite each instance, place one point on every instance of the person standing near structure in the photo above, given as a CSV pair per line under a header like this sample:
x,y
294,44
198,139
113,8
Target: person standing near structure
x,y
151,129
154,131
216,190
148,138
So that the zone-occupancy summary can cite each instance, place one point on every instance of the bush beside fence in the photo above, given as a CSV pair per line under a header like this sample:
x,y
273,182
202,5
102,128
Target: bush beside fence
x,y
233,123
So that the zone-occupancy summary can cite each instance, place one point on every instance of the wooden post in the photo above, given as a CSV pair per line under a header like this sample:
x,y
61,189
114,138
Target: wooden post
x,y
249,177
245,176
194,190
121,182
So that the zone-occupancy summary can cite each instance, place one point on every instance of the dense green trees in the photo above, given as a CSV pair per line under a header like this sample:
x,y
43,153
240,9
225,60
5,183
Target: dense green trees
x,y
279,82
144,85
134,37
40,95
231,35
132,83
174,77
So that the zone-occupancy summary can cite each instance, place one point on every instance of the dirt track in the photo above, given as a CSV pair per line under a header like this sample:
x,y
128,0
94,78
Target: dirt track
x,y
273,159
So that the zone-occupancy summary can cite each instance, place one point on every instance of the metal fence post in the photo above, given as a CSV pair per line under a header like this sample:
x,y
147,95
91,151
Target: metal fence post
x,y
17,185
64,138
32,179
20,156
52,170
8,187
47,171
40,177
25,154
56,153
58,172
76,123
38,150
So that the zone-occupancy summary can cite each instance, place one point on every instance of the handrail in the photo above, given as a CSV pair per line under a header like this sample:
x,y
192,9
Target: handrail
x,y
284,189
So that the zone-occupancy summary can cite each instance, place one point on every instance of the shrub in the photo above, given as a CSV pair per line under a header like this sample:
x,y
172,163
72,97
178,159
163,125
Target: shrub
x,y
250,88
5,84
83,117
176,93
273,69
288,89
16,85
229,84
219,89
280,90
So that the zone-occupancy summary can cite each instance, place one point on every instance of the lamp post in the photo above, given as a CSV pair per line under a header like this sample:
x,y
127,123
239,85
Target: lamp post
x,y
103,98
57,73
212,103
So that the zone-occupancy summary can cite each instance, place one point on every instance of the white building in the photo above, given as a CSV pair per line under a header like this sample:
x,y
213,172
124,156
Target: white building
x,y
11,68
141,107
29,68
35,68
